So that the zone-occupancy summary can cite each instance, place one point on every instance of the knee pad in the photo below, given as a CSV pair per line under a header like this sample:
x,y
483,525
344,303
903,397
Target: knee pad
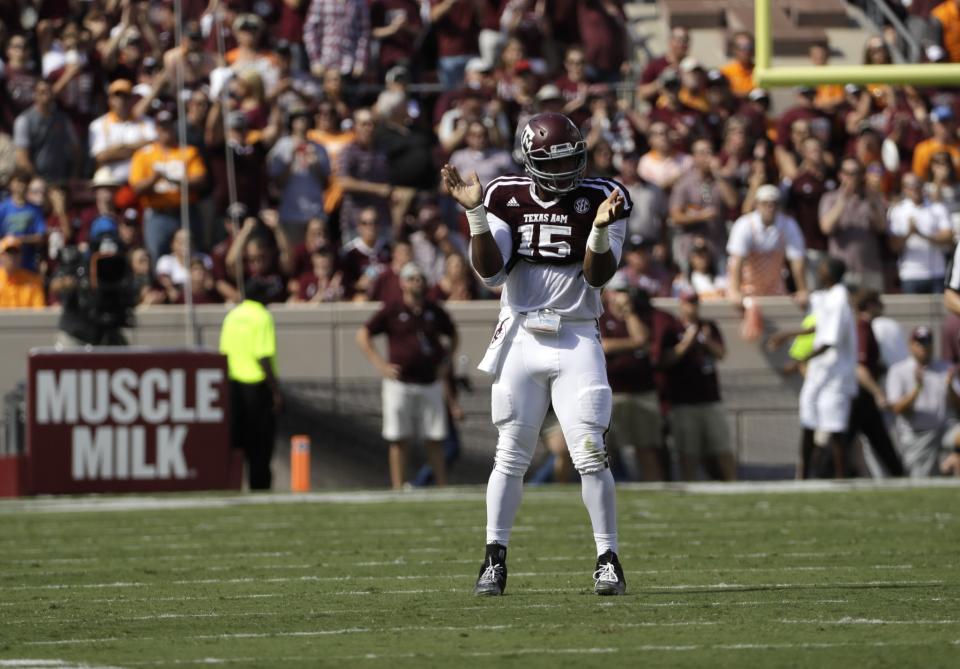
x,y
588,452
517,440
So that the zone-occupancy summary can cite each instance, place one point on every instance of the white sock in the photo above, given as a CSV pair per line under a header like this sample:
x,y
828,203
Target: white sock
x,y
503,499
599,496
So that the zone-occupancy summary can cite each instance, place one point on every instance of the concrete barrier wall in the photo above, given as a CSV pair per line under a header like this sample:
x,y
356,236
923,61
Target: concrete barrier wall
x,y
318,356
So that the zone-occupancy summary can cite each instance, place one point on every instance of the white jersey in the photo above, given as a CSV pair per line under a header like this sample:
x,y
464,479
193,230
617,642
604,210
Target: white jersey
x,y
836,368
543,244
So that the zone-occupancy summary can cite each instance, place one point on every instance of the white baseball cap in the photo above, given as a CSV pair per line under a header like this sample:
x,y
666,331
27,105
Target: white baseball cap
x,y
768,193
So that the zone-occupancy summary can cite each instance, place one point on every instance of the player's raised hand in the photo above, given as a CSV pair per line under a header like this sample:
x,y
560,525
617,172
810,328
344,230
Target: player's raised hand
x,y
610,209
468,193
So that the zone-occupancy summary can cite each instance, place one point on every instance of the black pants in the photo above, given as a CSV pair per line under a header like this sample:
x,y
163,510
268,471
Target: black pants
x,y
253,430
865,418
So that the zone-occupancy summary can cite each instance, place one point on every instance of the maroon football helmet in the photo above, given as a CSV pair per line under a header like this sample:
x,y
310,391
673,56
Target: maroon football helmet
x,y
554,153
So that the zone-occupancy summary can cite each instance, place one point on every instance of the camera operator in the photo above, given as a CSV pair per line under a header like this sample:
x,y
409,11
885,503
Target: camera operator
x,y
97,294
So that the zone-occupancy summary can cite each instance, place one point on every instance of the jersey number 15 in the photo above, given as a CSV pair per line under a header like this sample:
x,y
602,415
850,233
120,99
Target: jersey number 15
x,y
540,240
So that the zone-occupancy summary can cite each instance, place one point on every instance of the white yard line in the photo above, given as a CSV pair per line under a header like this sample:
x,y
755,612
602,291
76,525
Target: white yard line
x,y
462,494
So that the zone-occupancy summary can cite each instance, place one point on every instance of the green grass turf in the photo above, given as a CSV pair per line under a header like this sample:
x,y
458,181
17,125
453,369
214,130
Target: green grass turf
x,y
851,578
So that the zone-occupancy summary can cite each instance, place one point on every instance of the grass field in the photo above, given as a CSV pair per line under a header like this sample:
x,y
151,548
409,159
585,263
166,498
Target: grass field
x,y
829,578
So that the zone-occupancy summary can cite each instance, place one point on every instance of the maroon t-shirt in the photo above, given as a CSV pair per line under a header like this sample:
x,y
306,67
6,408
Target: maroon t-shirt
x,y
627,371
654,69
555,234
413,339
868,350
400,46
601,34
458,31
693,378
821,126
386,287
803,201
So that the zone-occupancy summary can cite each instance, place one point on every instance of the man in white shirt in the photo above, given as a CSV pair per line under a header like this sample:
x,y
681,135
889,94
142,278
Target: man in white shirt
x,y
923,395
830,383
116,135
920,232
758,244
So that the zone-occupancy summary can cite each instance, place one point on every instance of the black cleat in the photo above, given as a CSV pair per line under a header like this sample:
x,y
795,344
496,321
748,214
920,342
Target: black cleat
x,y
493,572
608,577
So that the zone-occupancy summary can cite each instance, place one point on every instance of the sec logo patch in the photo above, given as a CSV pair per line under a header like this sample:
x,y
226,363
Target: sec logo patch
x,y
582,205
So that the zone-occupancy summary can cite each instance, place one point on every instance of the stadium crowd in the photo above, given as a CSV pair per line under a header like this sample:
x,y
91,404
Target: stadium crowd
x,y
315,130
309,106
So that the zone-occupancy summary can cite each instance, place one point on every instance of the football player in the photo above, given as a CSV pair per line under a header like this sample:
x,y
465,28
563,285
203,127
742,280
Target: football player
x,y
552,239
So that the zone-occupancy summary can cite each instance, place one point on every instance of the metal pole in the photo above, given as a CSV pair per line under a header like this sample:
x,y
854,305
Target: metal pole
x,y
192,333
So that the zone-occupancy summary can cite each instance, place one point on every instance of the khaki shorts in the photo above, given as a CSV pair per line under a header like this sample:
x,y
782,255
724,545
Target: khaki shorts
x,y
413,409
700,429
636,420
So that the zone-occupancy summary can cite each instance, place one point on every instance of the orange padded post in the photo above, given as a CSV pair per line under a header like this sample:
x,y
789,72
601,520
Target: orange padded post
x,y
300,463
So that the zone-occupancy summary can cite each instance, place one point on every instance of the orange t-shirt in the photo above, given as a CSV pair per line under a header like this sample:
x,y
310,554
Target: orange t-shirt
x,y
153,157
21,289
332,143
926,149
829,93
740,77
948,14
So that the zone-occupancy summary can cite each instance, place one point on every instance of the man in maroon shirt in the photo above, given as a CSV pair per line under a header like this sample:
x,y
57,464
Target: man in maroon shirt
x,y
803,201
636,410
457,26
603,33
421,340
689,354
678,47
865,412
820,126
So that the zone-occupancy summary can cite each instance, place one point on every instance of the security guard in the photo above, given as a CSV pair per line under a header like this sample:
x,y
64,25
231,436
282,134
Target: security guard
x,y
249,341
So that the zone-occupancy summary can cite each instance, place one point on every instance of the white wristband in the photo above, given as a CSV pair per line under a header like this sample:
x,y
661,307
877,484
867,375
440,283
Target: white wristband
x,y
477,219
599,240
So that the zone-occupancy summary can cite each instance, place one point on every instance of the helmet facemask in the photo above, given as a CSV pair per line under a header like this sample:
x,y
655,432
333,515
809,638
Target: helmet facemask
x,y
538,160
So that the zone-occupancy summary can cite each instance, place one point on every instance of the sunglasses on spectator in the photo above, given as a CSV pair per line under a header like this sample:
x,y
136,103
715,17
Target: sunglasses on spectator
x,y
852,173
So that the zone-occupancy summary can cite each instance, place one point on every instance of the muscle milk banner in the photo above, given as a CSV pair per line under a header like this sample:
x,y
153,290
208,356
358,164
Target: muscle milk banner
x,y
127,420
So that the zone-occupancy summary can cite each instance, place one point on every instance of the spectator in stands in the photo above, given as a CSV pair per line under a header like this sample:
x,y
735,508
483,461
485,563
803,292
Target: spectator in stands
x,y
363,175
854,220
922,391
19,288
45,138
686,123
70,65
703,276
830,383
104,218
574,84
689,353
920,232
480,156
697,205
457,283
795,125
172,268
336,35
248,29
396,26
739,71
19,79
804,192
946,17
299,168
421,341
663,164
829,97
146,288
432,241
944,139
156,173
648,215
678,47
262,246
605,38
635,420
408,150
943,187
19,218
865,412
248,339
117,134
202,285
760,242
387,284
642,270
364,256
314,239
457,28
321,283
